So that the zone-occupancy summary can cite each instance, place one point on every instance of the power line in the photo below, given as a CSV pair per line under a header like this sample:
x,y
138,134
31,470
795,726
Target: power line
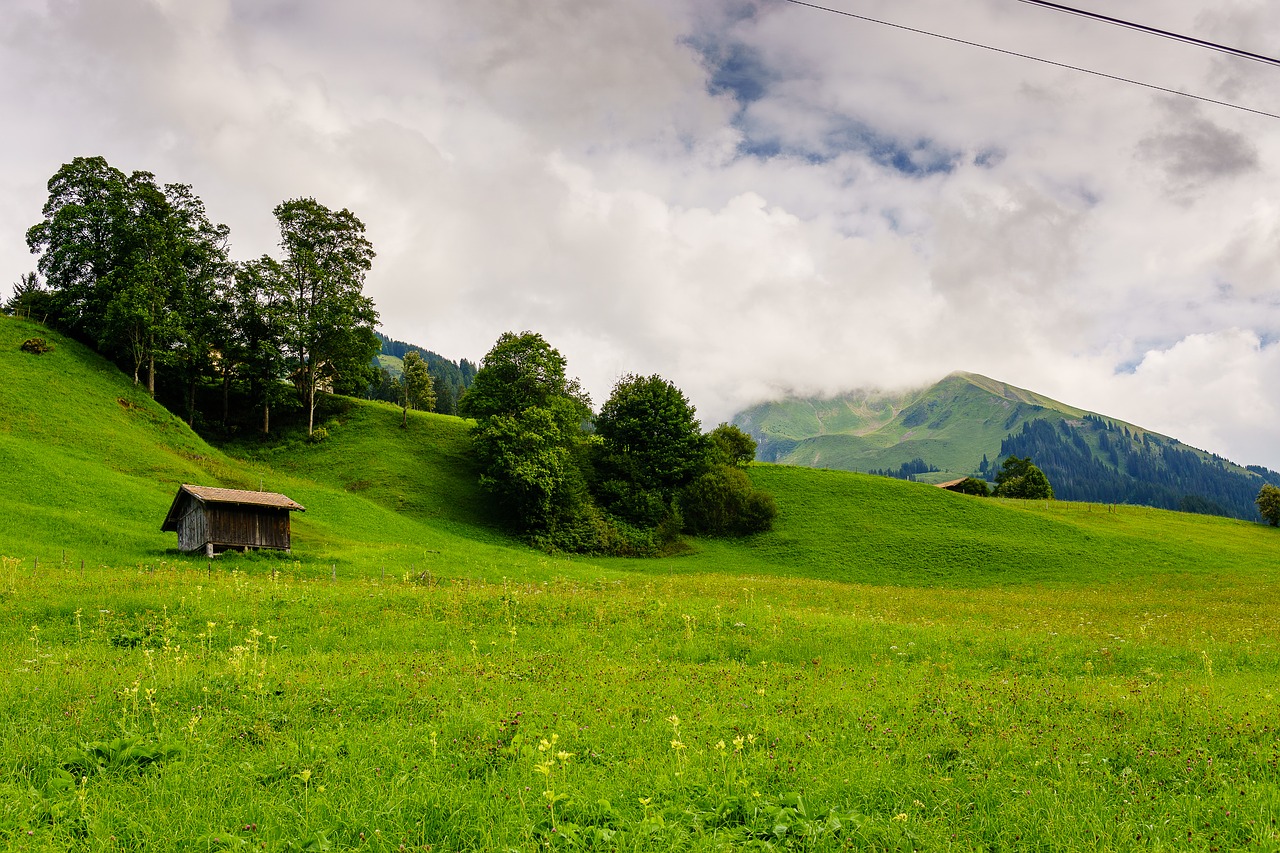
x,y
1143,28
1035,59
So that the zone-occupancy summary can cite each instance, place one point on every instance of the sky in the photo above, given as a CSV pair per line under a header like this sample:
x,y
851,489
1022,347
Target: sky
x,y
751,198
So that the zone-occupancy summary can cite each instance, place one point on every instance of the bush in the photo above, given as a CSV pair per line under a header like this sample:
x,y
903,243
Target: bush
x,y
1019,478
36,346
972,486
722,502
318,435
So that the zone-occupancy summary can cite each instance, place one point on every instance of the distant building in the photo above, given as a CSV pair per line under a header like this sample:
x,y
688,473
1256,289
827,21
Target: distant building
x,y
952,485
213,520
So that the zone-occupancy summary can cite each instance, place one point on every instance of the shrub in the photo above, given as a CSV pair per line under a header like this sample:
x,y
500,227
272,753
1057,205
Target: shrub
x,y
722,502
972,486
36,346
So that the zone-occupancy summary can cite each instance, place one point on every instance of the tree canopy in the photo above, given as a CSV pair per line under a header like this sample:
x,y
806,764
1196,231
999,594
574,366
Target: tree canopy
x,y
1018,477
138,270
520,371
415,385
620,489
326,257
1269,504
650,434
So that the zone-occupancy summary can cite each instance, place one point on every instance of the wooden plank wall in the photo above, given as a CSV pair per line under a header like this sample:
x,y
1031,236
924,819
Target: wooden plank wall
x,y
232,527
240,527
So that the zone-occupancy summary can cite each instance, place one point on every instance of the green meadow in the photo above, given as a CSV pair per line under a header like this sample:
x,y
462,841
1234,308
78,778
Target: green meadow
x,y
893,667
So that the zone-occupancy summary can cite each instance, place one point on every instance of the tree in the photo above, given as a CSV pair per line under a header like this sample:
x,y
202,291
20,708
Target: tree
x,y
1019,478
259,309
79,241
200,275
528,465
520,371
722,502
132,267
650,434
528,436
1269,504
29,297
972,486
732,445
415,385
331,321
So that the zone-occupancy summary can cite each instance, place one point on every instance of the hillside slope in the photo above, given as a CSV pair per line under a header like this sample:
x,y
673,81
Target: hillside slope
x,y
91,465
965,424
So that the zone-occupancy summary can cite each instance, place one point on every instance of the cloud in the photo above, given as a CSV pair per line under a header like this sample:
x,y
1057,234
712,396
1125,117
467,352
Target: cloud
x,y
745,197
1212,391
1194,151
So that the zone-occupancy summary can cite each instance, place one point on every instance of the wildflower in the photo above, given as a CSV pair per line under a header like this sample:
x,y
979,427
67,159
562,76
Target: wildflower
x,y
901,816
738,742
720,745
677,745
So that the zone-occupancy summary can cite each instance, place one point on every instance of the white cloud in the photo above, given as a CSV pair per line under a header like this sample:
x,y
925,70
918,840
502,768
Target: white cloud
x,y
886,208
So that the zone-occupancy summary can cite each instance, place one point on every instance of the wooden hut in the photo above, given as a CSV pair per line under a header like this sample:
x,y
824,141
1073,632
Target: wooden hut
x,y
217,519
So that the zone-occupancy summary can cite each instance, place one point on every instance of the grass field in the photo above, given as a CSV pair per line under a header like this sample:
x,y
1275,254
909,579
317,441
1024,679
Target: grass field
x,y
894,667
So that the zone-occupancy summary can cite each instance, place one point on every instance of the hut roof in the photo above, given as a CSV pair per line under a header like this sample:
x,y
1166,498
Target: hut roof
x,y
213,495
951,484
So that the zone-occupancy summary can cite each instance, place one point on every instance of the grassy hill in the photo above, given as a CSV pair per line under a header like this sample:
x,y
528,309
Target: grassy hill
x,y
95,464
893,667
92,465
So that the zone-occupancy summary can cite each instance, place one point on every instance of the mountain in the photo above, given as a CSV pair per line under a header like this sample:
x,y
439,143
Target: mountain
x,y
965,424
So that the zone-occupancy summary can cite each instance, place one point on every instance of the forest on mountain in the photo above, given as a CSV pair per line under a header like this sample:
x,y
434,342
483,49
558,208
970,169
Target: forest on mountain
x,y
448,378
1136,468
967,425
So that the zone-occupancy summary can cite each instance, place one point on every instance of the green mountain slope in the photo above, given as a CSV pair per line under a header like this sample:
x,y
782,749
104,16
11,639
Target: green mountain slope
x,y
948,430
950,425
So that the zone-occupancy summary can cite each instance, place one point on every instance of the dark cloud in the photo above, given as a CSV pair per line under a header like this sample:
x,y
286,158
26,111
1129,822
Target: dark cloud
x,y
1196,151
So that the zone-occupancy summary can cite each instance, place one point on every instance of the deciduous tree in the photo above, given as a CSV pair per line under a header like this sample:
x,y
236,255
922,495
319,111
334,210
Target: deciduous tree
x,y
260,314
1019,478
732,445
415,385
331,321
651,435
521,371
1269,504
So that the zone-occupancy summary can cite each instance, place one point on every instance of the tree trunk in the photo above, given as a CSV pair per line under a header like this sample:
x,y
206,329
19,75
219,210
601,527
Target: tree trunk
x,y
226,393
151,377
266,418
311,405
